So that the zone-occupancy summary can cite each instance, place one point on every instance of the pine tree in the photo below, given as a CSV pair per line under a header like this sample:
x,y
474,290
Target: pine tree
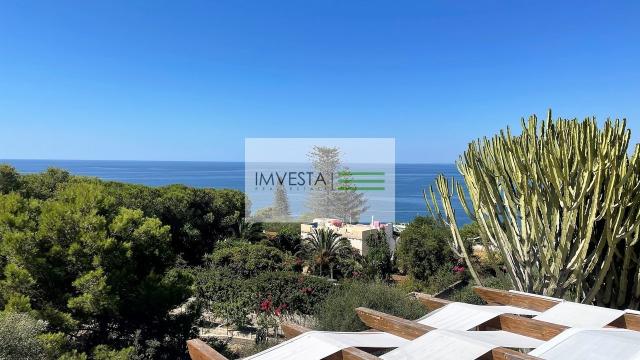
x,y
349,204
325,161
281,209
328,201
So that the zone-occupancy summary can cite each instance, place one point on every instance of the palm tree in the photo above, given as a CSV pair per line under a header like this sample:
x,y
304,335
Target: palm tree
x,y
323,247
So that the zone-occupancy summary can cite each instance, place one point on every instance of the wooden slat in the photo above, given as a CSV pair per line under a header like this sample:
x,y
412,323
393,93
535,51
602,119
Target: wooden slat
x,y
291,330
501,354
502,297
431,302
627,321
357,354
199,350
411,330
392,324
352,354
536,329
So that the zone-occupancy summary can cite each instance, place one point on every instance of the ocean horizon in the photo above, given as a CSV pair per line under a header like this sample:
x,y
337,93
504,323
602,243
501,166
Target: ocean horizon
x,y
411,178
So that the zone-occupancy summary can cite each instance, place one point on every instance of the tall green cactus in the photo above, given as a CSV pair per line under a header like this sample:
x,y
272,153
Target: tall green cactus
x,y
559,204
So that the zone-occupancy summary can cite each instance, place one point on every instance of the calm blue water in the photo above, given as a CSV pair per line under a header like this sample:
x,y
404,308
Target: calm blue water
x,y
411,179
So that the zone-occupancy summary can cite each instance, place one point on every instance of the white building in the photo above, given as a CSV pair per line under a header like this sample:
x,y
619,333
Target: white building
x,y
355,233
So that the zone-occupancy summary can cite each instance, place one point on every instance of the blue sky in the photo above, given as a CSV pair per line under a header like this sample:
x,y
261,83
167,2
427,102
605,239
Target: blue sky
x,y
189,80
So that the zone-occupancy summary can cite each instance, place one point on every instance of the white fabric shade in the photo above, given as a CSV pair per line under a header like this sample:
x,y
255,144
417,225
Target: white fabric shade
x,y
503,338
458,345
461,316
319,344
440,344
593,344
579,315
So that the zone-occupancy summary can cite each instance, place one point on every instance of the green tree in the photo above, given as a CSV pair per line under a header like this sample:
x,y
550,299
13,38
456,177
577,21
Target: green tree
x,y
423,248
377,261
348,203
103,263
328,200
325,162
44,185
93,272
323,247
247,260
281,211
9,179
198,218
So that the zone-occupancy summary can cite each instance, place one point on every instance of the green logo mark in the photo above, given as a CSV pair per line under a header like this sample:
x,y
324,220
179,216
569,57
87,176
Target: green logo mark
x,y
350,180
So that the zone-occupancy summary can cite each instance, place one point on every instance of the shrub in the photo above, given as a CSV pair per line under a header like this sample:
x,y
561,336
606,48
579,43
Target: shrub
x,y
286,227
442,279
234,298
226,295
287,240
424,248
467,295
470,232
411,284
103,352
337,312
291,292
247,260
522,186
19,337
348,265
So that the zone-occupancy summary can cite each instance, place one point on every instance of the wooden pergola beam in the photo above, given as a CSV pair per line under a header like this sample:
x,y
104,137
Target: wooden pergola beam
x,y
292,330
199,350
502,297
411,330
526,301
532,328
501,354
403,328
627,321
431,302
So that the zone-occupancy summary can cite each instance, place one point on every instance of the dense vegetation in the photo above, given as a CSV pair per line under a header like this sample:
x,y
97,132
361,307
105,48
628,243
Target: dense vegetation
x,y
106,270
337,311
242,278
98,266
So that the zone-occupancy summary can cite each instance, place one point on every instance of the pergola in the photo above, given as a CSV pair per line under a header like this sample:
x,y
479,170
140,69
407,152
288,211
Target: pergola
x,y
513,325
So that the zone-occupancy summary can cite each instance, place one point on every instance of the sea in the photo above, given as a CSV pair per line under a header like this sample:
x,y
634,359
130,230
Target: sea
x,y
410,179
